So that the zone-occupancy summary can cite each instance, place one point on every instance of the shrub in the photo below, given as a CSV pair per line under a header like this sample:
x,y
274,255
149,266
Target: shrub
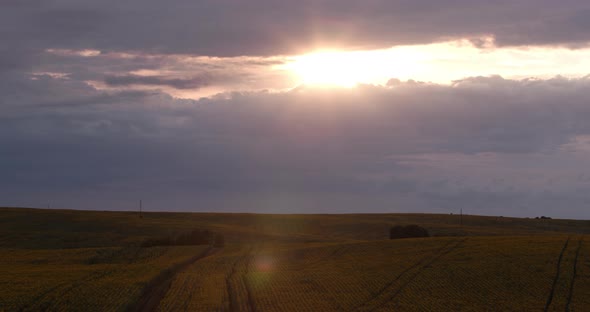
x,y
407,231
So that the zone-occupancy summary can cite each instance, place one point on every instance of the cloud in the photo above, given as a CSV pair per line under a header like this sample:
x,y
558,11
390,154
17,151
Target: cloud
x,y
264,27
87,120
487,144
179,75
177,83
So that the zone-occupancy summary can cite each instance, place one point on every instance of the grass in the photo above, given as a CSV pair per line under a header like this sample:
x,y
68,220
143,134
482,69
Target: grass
x,y
60,260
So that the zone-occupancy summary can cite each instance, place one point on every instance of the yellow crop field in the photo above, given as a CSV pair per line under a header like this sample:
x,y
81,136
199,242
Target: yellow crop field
x,y
458,274
89,261
97,279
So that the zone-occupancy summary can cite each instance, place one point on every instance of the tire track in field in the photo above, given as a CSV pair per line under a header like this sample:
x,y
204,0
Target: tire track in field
x,y
420,270
233,300
420,266
556,278
156,290
575,273
235,277
247,285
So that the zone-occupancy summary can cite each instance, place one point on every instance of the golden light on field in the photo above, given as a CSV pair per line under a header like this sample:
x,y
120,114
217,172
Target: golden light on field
x,y
264,263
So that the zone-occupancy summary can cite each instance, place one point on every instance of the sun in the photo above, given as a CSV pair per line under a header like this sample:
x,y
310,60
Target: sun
x,y
329,68
346,69
324,69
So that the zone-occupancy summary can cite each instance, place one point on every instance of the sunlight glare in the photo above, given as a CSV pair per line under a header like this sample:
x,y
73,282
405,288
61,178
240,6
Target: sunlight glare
x,y
442,62
346,69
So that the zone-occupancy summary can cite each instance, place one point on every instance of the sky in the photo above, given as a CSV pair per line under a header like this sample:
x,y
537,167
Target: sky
x,y
319,106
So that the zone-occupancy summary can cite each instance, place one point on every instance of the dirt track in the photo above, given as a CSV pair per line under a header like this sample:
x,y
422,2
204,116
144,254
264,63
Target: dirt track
x,y
155,291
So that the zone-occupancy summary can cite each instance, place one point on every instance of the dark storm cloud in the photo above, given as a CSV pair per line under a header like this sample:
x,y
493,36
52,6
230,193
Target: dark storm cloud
x,y
408,147
265,27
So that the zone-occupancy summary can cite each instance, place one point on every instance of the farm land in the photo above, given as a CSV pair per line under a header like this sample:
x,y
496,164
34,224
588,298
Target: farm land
x,y
65,260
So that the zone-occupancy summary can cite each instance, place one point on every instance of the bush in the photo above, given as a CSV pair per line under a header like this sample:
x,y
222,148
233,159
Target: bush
x,y
543,218
408,231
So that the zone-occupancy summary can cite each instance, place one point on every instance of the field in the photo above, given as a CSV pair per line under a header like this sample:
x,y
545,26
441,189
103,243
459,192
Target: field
x,y
60,260
93,279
